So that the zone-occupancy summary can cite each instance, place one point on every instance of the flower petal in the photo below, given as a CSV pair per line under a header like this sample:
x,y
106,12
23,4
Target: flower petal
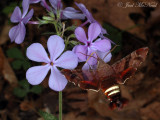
x,y
67,60
80,34
102,45
36,52
71,13
86,12
21,33
25,5
81,52
56,4
92,57
103,54
85,66
57,81
35,75
93,31
28,16
55,46
16,15
13,32
34,1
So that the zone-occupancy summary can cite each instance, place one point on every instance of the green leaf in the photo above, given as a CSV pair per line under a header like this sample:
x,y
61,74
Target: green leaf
x,y
17,64
15,53
47,116
9,9
19,92
36,89
24,84
115,35
71,28
26,64
74,42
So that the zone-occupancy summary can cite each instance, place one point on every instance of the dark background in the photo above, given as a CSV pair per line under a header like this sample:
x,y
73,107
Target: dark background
x,y
131,28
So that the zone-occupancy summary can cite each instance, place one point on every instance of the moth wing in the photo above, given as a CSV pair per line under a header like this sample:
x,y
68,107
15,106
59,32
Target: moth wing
x,y
86,79
127,66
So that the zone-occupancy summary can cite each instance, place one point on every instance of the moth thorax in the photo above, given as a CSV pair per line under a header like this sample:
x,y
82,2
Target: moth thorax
x,y
111,91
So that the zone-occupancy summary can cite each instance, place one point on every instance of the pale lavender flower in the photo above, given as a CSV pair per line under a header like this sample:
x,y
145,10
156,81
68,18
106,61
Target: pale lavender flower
x,y
67,13
18,32
36,52
91,45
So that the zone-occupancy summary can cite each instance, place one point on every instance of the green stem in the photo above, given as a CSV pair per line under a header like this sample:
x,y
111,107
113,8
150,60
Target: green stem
x,y
57,31
60,105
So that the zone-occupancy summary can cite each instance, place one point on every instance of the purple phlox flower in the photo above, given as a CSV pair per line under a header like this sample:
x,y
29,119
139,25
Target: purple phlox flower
x,y
67,13
89,16
90,19
36,52
18,32
100,46
43,3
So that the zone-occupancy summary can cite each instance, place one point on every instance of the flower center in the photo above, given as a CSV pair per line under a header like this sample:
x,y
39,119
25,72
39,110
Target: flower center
x,y
88,43
51,63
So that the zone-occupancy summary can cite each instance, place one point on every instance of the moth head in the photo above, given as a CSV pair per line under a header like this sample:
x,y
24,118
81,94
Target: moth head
x,y
118,103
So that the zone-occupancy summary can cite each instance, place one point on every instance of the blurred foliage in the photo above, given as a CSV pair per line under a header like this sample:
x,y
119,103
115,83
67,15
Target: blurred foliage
x,y
24,88
10,8
115,35
20,61
47,116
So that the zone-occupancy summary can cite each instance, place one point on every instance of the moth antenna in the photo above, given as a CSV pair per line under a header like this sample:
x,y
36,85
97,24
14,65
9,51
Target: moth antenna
x,y
91,56
110,51
88,55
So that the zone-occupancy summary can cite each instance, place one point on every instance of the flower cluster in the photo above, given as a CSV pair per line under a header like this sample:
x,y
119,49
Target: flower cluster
x,y
89,49
18,32
101,46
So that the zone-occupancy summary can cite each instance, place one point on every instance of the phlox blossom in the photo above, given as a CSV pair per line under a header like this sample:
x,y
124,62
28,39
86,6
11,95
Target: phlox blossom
x,y
36,52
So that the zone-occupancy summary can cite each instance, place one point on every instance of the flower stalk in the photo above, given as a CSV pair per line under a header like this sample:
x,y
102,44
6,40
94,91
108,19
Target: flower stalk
x,y
60,105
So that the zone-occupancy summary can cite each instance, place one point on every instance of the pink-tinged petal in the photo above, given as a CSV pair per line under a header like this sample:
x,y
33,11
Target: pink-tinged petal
x,y
67,60
103,54
35,75
21,33
13,32
16,15
102,45
34,1
81,52
92,57
80,34
25,6
28,16
71,13
93,31
55,46
57,81
36,52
